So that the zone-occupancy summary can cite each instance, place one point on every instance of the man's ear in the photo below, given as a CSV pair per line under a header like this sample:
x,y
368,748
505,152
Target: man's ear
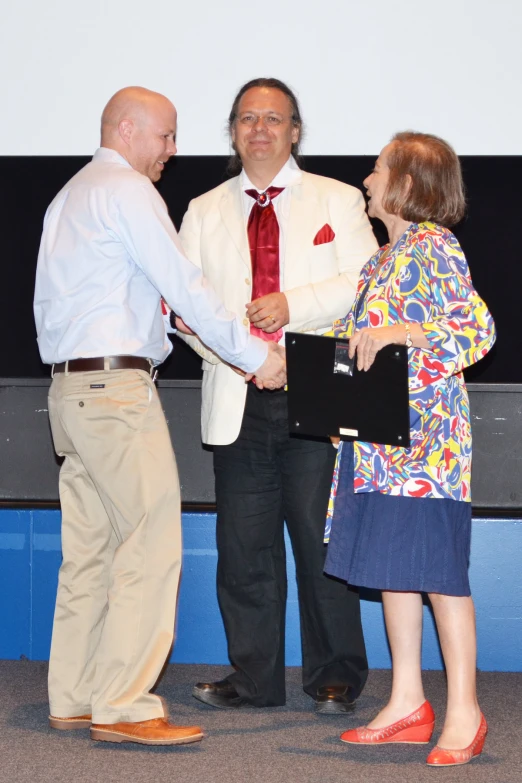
x,y
125,129
295,134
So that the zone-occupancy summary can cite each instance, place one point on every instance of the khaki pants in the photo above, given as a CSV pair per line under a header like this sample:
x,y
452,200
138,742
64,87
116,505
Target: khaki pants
x,y
121,540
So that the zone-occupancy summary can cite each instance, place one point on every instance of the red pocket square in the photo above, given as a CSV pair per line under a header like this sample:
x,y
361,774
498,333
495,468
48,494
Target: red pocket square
x,y
324,235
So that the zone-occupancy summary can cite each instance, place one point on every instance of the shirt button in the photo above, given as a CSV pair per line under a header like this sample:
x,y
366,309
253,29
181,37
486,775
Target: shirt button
x,y
247,280
81,404
246,321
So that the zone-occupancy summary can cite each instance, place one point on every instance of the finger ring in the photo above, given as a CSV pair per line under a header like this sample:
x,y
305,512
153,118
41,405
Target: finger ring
x,y
272,317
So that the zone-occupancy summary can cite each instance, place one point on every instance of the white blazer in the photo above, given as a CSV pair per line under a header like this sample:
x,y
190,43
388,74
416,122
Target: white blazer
x,y
319,281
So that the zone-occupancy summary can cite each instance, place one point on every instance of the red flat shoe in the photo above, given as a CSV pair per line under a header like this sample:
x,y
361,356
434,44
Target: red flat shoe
x,y
415,728
442,757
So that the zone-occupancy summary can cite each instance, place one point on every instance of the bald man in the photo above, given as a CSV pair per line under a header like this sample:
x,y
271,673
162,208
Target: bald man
x,y
108,253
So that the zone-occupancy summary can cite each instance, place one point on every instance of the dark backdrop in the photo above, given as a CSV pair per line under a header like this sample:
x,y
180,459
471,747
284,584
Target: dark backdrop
x,y
488,236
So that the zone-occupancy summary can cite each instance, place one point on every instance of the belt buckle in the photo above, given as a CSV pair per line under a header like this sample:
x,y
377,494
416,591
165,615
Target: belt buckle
x,y
66,368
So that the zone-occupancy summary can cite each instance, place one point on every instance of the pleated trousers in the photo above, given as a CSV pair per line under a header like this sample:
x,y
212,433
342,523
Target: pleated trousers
x,y
264,479
121,540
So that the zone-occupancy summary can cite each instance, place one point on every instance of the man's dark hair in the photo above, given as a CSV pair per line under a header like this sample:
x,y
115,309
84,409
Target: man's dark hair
x,y
234,164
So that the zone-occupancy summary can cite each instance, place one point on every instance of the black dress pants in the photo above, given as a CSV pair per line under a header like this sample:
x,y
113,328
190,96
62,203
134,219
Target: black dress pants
x,y
263,479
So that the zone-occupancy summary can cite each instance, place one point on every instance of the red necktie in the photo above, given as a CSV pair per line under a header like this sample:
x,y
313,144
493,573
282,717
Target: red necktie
x,y
263,238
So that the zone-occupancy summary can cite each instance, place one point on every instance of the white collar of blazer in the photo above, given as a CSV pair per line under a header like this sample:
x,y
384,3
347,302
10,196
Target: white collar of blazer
x,y
287,176
303,214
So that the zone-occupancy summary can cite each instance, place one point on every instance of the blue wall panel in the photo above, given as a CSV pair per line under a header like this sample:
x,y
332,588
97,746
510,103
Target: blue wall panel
x,y
30,558
199,630
47,557
496,583
15,584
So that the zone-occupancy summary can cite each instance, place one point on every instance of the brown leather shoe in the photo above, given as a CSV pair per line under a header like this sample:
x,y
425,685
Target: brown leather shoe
x,y
157,731
64,724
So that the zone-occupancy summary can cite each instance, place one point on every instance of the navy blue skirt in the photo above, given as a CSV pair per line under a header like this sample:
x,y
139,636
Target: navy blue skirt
x,y
391,542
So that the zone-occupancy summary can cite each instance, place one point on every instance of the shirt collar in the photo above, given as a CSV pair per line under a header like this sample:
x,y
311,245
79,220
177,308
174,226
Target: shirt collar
x,y
110,156
289,175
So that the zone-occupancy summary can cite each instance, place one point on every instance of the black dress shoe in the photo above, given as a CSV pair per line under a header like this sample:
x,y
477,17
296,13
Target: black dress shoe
x,y
333,699
221,694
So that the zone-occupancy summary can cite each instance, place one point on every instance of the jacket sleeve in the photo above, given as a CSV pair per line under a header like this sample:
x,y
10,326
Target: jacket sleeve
x,y
318,305
190,238
463,330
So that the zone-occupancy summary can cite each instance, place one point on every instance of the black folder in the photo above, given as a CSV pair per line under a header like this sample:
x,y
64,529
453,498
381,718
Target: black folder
x,y
328,395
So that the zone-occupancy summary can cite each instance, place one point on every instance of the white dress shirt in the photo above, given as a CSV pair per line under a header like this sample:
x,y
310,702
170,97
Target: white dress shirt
x,y
289,175
109,251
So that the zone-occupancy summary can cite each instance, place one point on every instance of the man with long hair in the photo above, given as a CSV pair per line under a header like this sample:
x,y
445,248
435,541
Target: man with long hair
x,y
288,247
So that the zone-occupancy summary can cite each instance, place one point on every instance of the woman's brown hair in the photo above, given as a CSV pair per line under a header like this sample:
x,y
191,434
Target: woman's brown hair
x,y
425,180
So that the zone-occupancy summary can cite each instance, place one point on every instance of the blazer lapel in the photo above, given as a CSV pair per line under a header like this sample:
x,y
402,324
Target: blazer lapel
x,y
302,222
231,209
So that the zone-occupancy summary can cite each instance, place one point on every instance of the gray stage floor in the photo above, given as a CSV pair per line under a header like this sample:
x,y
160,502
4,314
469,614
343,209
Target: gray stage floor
x,y
288,744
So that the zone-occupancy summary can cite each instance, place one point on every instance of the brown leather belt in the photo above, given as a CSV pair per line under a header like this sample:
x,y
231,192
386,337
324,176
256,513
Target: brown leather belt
x,y
98,363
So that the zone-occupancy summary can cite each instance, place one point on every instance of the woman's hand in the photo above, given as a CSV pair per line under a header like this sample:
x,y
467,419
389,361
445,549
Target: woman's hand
x,y
368,341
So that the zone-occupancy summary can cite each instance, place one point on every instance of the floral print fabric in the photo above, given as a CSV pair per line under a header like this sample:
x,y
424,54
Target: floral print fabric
x,y
424,278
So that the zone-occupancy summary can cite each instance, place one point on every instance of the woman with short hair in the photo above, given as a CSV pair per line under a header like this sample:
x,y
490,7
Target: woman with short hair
x,y
401,518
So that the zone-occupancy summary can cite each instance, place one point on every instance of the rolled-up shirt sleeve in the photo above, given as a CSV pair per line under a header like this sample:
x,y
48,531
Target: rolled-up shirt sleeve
x,y
151,240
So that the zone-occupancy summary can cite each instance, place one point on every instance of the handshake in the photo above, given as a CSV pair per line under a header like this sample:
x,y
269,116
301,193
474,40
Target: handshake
x,y
272,373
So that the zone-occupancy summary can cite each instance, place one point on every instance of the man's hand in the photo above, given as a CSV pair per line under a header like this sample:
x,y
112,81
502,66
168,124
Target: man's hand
x,y
272,373
181,326
269,312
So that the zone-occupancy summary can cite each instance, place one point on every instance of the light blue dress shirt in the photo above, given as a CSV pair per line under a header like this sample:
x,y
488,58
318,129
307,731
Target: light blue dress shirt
x,y
109,251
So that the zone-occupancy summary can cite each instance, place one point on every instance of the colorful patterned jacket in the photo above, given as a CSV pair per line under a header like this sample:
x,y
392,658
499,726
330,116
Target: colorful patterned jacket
x,y
424,278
